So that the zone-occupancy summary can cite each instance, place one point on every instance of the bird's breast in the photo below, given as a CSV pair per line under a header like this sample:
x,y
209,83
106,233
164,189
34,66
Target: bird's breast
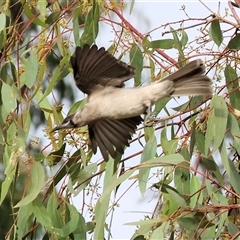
x,y
117,103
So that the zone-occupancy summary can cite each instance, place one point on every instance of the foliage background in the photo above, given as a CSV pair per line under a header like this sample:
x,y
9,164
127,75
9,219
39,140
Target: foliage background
x,y
189,157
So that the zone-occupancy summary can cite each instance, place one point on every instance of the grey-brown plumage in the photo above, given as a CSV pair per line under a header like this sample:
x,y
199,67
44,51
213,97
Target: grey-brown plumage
x,y
112,112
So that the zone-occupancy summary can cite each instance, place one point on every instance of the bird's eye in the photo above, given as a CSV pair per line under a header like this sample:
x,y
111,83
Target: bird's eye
x,y
66,121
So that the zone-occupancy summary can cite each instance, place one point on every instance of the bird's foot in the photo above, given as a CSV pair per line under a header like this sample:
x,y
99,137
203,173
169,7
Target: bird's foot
x,y
150,120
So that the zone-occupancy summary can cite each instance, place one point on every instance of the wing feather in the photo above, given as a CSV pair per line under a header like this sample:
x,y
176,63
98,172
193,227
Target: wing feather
x,y
111,135
94,68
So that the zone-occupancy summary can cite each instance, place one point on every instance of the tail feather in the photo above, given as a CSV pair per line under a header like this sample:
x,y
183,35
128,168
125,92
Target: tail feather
x,y
190,80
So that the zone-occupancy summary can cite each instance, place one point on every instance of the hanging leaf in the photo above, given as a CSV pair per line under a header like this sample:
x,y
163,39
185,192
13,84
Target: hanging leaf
x,y
215,32
136,59
35,186
234,43
217,123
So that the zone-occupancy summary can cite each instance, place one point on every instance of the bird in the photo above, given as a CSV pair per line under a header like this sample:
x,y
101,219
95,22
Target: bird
x,y
113,112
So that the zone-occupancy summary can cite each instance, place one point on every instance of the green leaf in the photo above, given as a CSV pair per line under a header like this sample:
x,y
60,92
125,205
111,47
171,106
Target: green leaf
x,y
42,5
193,222
9,97
169,160
149,152
200,141
144,227
168,146
77,14
53,210
56,156
6,184
53,17
217,123
3,38
161,104
182,178
32,16
170,204
41,213
230,169
72,225
131,7
176,196
184,39
2,21
232,229
178,45
196,195
60,72
71,163
162,44
84,178
234,43
160,232
77,106
24,213
103,202
215,32
193,138
63,229
232,86
152,69
82,228
43,103
37,178
91,25
193,103
29,77
136,59
235,131
212,167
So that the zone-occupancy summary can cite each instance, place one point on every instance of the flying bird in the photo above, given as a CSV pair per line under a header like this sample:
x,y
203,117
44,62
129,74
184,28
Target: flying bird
x,y
113,112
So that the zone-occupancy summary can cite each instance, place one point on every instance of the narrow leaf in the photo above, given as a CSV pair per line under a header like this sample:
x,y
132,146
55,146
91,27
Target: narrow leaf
x,y
149,152
162,44
41,213
9,97
30,15
31,70
184,39
91,25
35,186
52,17
215,32
136,59
217,123
234,43
232,86
2,21
230,169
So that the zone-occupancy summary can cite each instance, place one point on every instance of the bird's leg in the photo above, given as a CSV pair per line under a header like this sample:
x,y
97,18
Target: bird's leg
x,y
150,117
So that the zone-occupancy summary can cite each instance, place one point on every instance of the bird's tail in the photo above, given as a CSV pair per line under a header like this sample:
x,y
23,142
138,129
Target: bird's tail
x,y
190,80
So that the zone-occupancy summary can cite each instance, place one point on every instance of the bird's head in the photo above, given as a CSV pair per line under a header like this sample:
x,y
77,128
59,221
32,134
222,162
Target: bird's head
x,y
68,122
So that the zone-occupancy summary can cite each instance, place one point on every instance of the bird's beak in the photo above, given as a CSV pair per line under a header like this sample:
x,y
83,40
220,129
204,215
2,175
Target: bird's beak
x,y
61,126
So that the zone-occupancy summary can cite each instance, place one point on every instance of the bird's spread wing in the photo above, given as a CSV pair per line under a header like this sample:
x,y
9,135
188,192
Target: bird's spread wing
x,y
95,68
111,135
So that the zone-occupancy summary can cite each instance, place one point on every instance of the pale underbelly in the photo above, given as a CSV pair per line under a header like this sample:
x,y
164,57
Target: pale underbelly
x,y
120,104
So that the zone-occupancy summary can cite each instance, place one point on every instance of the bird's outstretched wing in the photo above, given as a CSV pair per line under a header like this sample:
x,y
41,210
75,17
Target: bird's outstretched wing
x,y
111,135
96,68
